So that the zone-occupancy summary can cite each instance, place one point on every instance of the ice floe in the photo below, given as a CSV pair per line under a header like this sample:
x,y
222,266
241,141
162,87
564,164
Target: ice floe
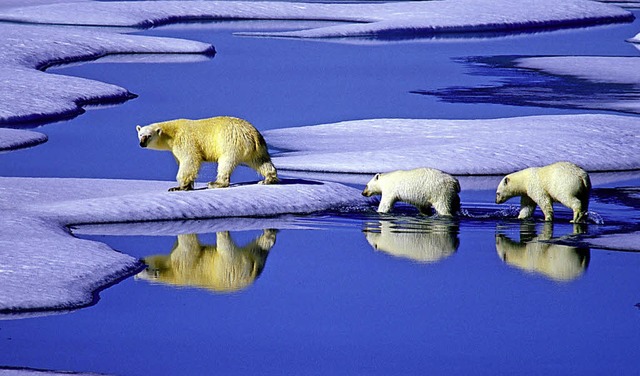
x,y
618,242
374,19
22,371
11,139
45,268
460,147
30,95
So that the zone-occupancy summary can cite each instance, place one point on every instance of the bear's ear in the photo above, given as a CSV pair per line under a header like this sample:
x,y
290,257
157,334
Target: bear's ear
x,y
506,181
376,177
159,131
138,128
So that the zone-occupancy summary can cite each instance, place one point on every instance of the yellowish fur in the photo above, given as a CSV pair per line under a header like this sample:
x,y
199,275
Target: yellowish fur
x,y
226,140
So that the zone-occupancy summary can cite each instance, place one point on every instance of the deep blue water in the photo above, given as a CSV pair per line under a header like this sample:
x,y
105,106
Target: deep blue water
x,y
327,302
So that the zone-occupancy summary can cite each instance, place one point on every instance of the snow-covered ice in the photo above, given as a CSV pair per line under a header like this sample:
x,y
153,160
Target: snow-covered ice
x,y
28,94
375,19
18,371
617,242
11,139
460,147
611,69
43,267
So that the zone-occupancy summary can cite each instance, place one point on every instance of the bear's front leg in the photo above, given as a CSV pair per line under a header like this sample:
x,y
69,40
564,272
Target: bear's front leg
x,y
546,205
181,188
527,207
386,203
188,167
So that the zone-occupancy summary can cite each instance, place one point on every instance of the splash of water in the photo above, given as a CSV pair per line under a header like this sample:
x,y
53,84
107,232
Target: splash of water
x,y
509,212
595,218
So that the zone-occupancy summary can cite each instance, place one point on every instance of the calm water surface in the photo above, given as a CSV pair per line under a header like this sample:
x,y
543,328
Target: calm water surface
x,y
334,294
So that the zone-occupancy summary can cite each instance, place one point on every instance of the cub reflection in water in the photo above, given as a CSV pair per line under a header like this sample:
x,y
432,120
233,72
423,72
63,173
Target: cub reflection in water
x,y
221,267
556,262
422,241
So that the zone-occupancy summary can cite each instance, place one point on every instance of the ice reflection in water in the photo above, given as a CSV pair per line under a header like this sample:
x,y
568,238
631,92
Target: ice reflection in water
x,y
220,267
422,240
533,254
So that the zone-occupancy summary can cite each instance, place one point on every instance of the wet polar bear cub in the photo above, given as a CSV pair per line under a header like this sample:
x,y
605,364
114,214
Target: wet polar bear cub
x,y
422,187
562,182
227,140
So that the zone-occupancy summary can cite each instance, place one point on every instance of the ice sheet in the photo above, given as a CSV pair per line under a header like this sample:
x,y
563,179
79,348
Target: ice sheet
x,y
45,268
375,19
461,147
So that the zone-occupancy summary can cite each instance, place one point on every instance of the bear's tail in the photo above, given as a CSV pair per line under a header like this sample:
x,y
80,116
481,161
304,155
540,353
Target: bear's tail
x,y
586,180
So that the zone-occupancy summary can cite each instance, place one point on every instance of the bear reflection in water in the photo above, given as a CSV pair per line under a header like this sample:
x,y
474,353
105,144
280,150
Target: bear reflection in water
x,y
422,241
223,267
532,254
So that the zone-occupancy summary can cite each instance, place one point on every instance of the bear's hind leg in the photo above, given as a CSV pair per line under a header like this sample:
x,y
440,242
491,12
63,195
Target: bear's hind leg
x,y
268,170
443,208
579,212
226,165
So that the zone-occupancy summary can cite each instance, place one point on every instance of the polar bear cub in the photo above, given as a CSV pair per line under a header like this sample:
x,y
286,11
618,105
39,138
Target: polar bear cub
x,y
423,188
226,140
562,182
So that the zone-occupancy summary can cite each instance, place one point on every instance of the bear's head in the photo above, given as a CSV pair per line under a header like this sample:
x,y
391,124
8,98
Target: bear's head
x,y
504,191
373,187
150,136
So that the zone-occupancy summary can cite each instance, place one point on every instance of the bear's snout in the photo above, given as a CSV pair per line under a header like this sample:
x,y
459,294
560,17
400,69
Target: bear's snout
x,y
366,193
144,140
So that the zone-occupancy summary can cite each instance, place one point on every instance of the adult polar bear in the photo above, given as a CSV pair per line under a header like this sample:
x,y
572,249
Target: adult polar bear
x,y
562,182
227,140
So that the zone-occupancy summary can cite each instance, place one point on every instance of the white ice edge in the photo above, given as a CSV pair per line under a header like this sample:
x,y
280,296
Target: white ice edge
x,y
45,268
461,147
